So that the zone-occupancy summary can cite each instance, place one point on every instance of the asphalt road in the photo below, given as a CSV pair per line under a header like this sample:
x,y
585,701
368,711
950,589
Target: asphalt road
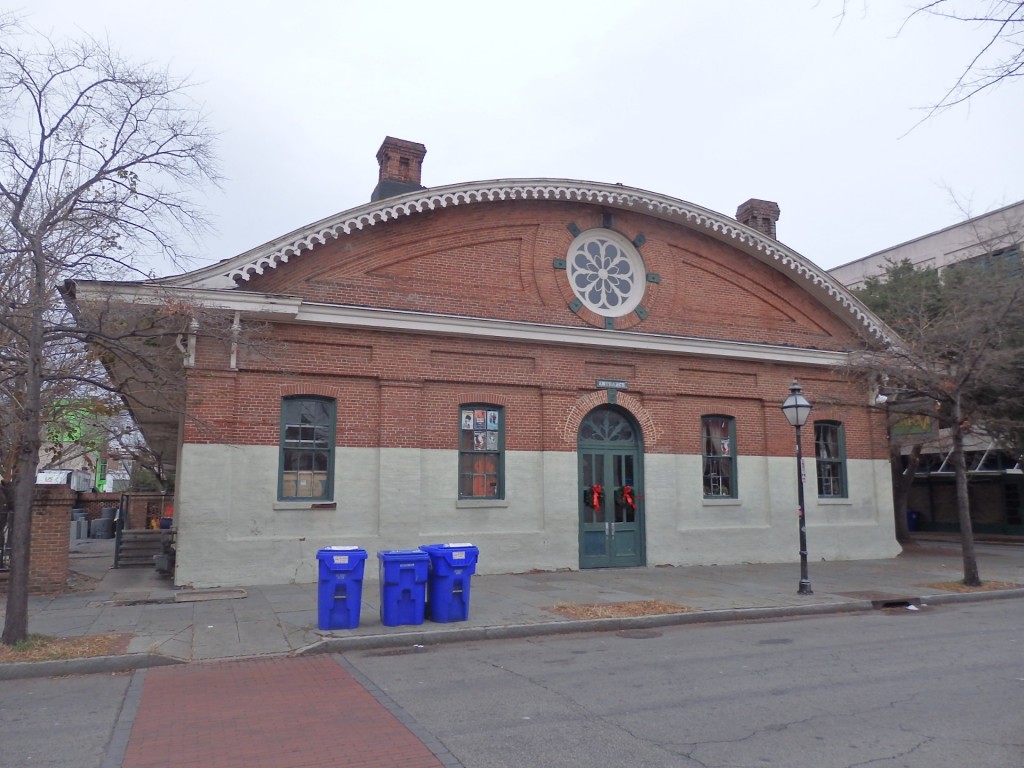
x,y
928,689
60,722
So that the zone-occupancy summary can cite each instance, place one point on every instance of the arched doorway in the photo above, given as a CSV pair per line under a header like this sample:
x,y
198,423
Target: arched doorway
x,y
610,490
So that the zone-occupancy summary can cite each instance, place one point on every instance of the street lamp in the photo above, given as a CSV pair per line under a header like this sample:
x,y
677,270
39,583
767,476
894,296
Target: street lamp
x,y
797,409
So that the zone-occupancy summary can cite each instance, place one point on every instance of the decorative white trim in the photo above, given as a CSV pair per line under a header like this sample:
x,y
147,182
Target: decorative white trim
x,y
723,502
292,309
229,273
510,330
250,304
236,330
481,503
190,345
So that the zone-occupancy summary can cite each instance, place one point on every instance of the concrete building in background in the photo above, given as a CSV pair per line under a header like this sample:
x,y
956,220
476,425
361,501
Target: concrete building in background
x,y
993,234
567,374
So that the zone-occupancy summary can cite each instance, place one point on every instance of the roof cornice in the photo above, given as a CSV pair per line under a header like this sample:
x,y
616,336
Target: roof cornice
x,y
577,336
158,293
232,272
292,309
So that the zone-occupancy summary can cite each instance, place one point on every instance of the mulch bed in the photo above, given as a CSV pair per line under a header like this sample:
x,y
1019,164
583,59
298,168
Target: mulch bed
x,y
45,648
958,586
617,610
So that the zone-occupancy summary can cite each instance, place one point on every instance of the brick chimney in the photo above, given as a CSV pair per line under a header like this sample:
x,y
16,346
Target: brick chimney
x,y
401,165
760,215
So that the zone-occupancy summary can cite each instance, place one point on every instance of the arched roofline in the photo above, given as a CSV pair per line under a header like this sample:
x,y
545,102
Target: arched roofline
x,y
235,271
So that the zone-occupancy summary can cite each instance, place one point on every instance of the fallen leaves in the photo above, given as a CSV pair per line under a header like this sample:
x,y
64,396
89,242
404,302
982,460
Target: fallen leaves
x,y
46,648
622,610
986,586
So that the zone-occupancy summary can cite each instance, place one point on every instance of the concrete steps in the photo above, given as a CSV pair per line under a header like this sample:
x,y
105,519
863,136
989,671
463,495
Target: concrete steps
x,y
138,547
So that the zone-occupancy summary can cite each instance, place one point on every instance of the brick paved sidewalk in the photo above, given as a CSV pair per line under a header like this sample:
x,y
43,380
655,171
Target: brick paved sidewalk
x,y
305,712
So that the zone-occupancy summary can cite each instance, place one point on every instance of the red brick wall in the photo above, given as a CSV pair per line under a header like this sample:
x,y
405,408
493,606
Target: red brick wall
x,y
94,503
145,509
537,384
397,389
495,260
51,539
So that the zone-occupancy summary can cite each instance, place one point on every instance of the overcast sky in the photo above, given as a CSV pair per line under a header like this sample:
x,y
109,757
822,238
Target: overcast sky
x,y
709,101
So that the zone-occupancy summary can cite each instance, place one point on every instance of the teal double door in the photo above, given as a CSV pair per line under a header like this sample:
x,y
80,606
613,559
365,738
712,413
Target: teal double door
x,y
611,518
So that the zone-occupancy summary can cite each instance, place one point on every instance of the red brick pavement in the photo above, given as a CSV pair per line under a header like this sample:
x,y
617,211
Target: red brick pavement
x,y
276,713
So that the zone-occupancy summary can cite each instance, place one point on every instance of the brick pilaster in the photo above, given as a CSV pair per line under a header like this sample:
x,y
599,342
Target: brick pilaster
x,y
51,534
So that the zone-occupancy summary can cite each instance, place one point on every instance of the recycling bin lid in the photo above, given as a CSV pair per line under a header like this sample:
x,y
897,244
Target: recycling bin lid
x,y
340,551
404,553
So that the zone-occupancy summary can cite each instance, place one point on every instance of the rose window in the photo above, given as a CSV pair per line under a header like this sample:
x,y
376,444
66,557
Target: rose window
x,y
606,272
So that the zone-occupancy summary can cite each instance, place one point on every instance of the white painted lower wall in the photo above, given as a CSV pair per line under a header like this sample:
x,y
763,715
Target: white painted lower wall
x,y
233,532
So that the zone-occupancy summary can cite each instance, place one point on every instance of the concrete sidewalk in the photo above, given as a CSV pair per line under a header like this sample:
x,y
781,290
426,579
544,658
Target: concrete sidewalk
x,y
172,626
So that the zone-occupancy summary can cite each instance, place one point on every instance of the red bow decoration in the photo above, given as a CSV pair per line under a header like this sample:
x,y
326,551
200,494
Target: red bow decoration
x,y
627,496
595,496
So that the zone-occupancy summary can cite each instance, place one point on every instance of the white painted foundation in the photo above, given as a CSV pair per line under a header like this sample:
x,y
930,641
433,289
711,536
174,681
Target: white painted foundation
x,y
233,532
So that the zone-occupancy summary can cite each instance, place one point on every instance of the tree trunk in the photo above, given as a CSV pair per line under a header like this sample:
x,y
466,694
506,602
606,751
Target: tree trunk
x,y
27,461
16,619
963,503
902,482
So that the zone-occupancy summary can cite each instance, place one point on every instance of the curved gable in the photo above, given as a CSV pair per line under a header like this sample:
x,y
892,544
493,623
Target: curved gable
x,y
237,271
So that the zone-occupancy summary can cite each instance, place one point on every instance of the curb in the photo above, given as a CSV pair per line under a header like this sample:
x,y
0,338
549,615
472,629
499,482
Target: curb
x,y
85,666
971,597
460,634
518,631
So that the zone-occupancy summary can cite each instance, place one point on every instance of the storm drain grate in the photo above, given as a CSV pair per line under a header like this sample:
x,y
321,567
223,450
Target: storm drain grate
x,y
881,600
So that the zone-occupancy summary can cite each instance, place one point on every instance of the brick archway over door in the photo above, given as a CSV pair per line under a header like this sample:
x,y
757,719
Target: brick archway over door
x,y
631,403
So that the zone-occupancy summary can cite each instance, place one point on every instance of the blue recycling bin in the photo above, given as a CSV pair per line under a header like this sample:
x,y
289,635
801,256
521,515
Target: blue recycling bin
x,y
340,591
448,586
912,520
403,586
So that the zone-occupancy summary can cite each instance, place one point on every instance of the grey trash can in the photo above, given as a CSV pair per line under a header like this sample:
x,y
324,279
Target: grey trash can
x,y
103,528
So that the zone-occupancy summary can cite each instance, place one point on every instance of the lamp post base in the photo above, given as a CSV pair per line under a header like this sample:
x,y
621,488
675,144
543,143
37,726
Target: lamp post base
x,y
805,588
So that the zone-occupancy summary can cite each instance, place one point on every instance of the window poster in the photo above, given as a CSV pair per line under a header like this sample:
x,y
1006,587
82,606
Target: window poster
x,y
725,446
492,419
480,441
492,440
480,419
467,419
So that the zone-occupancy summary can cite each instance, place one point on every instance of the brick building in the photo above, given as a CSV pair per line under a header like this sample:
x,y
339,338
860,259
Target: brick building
x,y
567,374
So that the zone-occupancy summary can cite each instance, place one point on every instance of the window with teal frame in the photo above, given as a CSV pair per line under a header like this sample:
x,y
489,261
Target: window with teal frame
x,y
718,441
481,451
307,449
830,458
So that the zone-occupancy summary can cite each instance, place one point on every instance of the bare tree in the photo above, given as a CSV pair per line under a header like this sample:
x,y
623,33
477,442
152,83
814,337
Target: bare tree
x,y
98,162
961,353
1000,56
